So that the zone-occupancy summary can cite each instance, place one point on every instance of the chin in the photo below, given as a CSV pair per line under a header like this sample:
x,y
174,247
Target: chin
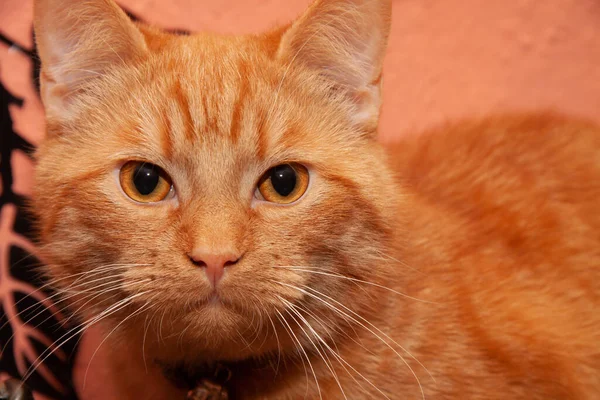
x,y
212,329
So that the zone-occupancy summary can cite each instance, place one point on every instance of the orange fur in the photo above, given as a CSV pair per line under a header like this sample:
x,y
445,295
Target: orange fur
x,y
473,249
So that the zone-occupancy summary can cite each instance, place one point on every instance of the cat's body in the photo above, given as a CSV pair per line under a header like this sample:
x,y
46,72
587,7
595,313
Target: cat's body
x,y
504,226
510,276
461,265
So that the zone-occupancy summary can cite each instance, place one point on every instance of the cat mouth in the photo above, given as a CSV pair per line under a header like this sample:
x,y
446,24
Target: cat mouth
x,y
212,300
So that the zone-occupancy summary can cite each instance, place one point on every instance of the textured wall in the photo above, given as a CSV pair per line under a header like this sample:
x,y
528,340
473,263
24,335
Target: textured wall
x,y
456,58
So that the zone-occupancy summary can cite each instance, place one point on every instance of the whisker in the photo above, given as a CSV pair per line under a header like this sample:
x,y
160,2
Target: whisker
x,y
301,348
180,338
278,343
329,319
260,325
358,281
78,330
338,356
52,315
146,327
250,326
296,346
160,330
373,326
103,292
110,267
390,258
326,361
41,288
365,327
133,314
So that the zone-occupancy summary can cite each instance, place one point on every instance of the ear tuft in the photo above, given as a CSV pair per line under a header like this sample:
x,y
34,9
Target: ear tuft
x,y
345,40
79,40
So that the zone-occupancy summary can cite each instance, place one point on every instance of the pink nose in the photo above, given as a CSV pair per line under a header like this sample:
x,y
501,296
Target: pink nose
x,y
213,263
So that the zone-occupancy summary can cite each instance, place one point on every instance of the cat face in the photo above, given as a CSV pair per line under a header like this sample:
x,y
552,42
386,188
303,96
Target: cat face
x,y
219,189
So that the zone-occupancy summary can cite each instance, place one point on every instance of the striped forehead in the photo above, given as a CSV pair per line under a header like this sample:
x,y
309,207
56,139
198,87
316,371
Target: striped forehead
x,y
213,125
215,111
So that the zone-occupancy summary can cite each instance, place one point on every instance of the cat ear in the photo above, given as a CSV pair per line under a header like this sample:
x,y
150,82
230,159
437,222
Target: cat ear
x,y
345,40
79,40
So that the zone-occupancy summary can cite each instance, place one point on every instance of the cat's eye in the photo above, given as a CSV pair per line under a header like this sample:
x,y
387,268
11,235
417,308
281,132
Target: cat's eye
x,y
284,183
145,182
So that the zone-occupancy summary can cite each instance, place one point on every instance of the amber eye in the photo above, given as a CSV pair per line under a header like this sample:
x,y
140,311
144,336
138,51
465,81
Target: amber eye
x,y
284,183
144,182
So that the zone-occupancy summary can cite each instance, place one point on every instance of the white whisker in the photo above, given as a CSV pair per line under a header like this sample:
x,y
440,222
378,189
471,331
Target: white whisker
x,y
301,348
278,343
337,355
332,307
76,331
65,321
326,361
146,326
138,311
48,285
302,269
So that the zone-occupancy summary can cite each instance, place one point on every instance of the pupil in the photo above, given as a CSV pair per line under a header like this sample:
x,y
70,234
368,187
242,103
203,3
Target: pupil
x,y
145,179
283,179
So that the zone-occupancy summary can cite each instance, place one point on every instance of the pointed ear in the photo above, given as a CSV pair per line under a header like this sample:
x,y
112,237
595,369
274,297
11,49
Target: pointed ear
x,y
345,40
78,41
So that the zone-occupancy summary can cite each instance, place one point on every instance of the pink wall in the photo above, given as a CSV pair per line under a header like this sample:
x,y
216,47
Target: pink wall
x,y
457,58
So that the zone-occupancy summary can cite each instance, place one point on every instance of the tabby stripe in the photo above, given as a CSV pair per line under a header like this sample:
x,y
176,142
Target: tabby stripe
x,y
181,98
238,108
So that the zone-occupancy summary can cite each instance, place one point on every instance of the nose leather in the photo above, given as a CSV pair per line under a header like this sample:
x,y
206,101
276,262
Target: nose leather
x,y
214,263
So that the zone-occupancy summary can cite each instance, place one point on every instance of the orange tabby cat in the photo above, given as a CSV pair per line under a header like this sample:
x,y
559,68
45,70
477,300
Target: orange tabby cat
x,y
221,202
